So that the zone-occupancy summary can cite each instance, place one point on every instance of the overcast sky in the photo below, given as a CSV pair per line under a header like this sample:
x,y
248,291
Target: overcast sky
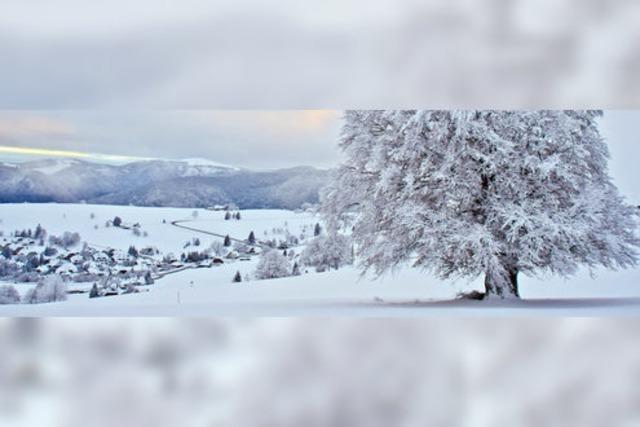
x,y
253,139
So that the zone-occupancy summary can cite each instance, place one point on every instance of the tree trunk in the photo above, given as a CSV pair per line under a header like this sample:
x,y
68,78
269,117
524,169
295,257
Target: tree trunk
x,y
502,288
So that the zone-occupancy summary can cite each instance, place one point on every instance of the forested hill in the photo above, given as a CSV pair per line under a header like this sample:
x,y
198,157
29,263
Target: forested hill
x,y
177,183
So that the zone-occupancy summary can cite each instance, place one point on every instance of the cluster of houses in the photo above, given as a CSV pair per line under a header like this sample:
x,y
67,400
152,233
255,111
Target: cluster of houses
x,y
225,207
26,259
79,263
27,256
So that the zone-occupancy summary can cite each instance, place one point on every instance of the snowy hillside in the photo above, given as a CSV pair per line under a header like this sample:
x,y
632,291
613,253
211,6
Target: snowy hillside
x,y
210,291
177,183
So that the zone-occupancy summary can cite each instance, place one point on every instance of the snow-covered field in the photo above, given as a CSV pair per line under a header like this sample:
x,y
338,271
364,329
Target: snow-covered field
x,y
209,291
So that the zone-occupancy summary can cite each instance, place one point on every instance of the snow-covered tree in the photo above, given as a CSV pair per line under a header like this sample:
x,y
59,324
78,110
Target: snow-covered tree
x,y
227,241
272,265
330,251
217,248
9,295
66,241
465,193
52,288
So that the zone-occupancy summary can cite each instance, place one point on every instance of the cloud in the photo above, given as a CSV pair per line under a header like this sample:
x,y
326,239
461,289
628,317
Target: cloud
x,y
279,123
255,139
20,126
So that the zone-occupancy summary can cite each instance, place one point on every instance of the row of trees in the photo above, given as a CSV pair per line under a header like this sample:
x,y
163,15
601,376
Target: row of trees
x,y
49,289
39,233
325,252
232,215
66,240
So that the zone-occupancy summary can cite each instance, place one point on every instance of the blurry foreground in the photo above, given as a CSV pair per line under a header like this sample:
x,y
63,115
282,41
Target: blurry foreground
x,y
437,372
286,54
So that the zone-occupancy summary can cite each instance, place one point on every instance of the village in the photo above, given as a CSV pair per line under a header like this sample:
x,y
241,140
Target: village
x,y
28,256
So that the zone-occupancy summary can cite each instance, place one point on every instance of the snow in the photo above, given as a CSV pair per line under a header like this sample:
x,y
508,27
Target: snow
x,y
58,218
53,166
209,291
207,163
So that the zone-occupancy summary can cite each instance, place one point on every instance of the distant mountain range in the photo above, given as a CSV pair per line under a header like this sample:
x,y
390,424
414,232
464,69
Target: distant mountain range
x,y
175,183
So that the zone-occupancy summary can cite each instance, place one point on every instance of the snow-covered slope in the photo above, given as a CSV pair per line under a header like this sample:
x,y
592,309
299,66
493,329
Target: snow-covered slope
x,y
209,291
205,167
49,166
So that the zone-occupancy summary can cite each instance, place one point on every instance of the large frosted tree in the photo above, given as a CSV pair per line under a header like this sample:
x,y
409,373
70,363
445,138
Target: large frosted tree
x,y
469,193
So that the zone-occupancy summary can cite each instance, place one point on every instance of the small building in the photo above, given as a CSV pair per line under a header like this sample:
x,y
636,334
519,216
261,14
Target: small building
x,y
218,208
67,268
76,259
101,257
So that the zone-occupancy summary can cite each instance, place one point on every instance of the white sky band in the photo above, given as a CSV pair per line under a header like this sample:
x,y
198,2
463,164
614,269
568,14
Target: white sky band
x,y
44,152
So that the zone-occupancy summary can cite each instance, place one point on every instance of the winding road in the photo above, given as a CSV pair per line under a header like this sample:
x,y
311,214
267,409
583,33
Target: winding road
x,y
178,223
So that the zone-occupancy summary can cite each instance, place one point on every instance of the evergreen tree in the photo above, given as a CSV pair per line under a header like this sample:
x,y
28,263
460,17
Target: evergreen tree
x,y
94,291
227,216
7,252
133,251
317,230
296,270
252,238
40,233
237,278
117,221
227,241
148,280
469,193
